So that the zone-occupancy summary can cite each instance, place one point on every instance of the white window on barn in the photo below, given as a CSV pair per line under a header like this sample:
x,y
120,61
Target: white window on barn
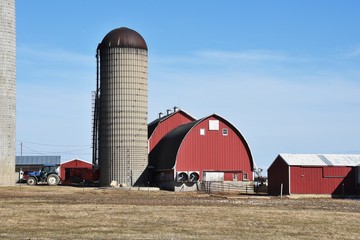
x,y
245,176
235,176
202,131
225,132
213,125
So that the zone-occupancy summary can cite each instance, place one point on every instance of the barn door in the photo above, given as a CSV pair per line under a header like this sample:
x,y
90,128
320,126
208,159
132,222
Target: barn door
x,y
213,176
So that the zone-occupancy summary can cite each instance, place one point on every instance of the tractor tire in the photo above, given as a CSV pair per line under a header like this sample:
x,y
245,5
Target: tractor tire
x,y
53,180
31,181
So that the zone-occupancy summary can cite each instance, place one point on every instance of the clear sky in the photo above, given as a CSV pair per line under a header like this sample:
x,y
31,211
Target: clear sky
x,y
285,73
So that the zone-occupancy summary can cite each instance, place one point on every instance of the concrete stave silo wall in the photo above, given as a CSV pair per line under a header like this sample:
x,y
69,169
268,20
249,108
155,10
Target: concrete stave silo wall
x,y
123,114
7,92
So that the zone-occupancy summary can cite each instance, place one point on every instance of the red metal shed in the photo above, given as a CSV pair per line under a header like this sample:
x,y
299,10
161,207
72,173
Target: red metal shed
x,y
75,168
164,124
334,174
211,149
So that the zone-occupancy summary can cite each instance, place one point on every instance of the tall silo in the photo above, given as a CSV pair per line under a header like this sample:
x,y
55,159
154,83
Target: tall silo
x,y
121,108
7,92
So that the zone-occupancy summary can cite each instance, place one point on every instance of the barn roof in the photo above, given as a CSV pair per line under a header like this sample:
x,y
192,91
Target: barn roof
x,y
75,159
37,160
350,160
164,154
153,125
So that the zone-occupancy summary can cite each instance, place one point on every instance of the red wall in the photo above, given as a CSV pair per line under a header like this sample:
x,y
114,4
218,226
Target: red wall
x,y
213,151
165,126
278,173
322,180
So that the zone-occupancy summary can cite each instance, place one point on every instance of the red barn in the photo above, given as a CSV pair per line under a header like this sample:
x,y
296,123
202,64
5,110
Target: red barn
x,y
335,174
209,149
164,124
76,170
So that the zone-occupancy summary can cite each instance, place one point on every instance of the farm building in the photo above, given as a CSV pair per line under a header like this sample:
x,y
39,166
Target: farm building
x,y
335,174
34,163
209,149
77,170
164,124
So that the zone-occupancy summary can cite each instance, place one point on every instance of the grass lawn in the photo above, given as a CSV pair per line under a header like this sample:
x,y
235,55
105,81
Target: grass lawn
x,y
43,212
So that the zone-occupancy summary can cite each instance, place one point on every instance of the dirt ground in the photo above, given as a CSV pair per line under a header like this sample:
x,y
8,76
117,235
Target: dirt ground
x,y
43,212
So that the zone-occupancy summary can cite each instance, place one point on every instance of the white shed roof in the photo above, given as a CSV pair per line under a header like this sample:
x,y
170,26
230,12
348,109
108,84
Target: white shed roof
x,y
350,160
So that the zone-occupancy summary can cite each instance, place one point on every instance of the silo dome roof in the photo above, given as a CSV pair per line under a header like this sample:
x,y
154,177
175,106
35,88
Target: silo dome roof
x,y
123,38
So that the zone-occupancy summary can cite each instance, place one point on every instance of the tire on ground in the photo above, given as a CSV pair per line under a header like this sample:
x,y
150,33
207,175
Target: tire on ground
x,y
53,179
31,181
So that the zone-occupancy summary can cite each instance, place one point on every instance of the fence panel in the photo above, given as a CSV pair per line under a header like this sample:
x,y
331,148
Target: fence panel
x,y
225,187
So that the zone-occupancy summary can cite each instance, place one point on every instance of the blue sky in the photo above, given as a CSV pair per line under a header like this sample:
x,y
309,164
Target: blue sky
x,y
285,73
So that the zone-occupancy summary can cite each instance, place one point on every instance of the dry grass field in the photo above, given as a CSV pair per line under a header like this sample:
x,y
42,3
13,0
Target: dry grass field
x,y
43,212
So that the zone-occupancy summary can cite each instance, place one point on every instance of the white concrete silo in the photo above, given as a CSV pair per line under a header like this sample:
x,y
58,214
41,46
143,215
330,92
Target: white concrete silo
x,y
7,92
121,108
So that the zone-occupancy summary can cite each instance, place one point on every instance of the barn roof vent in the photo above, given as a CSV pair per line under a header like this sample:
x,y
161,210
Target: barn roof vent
x,y
160,114
168,111
176,109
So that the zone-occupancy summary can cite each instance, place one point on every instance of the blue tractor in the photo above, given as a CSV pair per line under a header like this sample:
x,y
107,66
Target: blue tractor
x,y
47,174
